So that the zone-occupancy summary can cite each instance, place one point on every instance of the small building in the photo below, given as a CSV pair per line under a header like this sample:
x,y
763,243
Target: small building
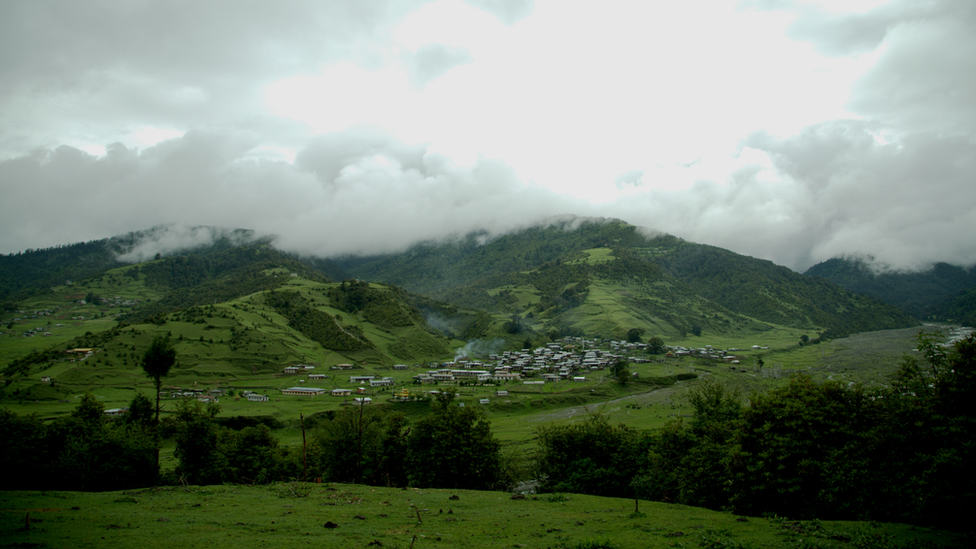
x,y
253,397
303,391
399,366
317,376
341,392
291,369
362,401
116,412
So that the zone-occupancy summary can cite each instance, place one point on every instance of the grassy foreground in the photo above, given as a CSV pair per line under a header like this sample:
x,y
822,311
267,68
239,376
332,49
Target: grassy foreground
x,y
338,515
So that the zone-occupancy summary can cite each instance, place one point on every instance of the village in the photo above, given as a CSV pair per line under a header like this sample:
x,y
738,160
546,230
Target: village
x,y
573,360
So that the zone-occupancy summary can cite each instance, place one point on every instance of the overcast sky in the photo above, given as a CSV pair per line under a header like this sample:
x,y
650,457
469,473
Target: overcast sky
x,y
788,130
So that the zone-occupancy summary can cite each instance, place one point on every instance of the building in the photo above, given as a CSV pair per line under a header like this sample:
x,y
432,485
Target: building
x,y
257,398
303,391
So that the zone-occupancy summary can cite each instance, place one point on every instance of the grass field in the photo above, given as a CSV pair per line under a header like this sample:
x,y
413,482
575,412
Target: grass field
x,y
334,515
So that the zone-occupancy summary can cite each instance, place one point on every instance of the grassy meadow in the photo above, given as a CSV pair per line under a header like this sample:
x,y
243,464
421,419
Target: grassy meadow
x,y
336,515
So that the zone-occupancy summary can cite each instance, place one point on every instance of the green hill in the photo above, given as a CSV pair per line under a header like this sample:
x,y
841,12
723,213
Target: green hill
x,y
25,273
244,318
602,277
250,309
920,294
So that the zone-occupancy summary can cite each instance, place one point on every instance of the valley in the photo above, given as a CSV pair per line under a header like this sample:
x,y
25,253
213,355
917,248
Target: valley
x,y
540,340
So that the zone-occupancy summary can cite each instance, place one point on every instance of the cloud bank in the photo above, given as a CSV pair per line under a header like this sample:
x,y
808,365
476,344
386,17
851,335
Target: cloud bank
x,y
790,131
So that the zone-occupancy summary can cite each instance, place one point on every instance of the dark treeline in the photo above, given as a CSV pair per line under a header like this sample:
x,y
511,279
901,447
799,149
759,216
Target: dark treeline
x,y
451,447
805,450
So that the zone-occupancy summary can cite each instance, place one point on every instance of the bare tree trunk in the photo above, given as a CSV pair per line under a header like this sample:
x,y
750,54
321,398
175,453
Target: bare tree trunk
x,y
301,417
159,385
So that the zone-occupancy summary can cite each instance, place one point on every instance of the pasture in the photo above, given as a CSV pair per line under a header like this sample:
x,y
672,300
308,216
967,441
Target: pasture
x,y
297,514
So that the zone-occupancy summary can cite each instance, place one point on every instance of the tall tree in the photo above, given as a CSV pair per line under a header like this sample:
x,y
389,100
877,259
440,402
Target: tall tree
x,y
157,362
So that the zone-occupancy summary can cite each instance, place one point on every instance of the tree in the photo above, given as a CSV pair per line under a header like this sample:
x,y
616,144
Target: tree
x,y
157,362
655,345
198,445
620,370
590,457
453,447
140,411
635,334
89,410
696,330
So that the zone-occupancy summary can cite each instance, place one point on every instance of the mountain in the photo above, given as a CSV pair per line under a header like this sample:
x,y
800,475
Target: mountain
x,y
921,294
240,307
241,312
606,276
25,273
961,308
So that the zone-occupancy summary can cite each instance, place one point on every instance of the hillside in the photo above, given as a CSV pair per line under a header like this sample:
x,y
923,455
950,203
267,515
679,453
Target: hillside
x,y
293,515
920,294
960,308
250,309
573,270
25,273
240,313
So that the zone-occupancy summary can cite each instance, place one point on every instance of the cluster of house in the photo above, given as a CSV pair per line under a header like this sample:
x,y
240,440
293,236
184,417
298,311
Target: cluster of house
x,y
316,391
708,352
84,353
550,363
35,314
202,395
304,369
117,301
252,396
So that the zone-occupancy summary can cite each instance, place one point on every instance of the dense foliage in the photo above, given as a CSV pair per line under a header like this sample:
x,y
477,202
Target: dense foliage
x,y
79,452
960,308
806,450
193,280
672,280
920,294
765,291
452,447
317,325
24,273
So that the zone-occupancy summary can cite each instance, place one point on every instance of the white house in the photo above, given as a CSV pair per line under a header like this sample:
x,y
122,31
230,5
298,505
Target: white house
x,y
303,391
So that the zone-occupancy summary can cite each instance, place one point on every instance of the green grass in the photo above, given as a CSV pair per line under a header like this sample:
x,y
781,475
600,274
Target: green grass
x,y
300,515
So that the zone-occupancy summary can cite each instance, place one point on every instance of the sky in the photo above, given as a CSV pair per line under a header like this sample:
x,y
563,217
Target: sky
x,y
789,130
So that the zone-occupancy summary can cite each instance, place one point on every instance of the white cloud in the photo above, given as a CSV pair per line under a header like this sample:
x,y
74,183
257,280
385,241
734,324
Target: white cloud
x,y
787,130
